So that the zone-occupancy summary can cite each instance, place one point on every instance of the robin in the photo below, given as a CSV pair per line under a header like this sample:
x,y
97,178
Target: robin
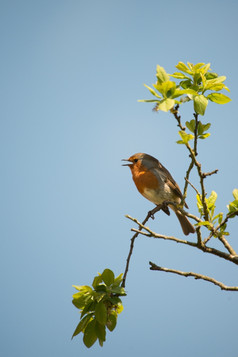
x,y
156,184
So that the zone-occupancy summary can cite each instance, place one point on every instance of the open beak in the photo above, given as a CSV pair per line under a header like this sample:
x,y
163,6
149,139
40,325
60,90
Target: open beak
x,y
128,164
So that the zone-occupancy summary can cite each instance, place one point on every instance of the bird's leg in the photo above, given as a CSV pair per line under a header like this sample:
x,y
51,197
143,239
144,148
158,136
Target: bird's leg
x,y
154,210
165,208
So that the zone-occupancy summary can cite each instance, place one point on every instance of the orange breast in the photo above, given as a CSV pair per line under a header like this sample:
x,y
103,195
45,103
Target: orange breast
x,y
144,179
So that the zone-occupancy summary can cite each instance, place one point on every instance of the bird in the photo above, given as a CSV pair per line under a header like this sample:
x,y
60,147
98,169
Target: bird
x,y
155,183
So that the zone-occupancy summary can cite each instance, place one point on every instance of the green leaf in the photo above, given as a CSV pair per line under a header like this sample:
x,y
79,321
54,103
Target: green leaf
x,y
219,216
100,342
185,137
235,193
200,104
201,128
167,88
182,67
81,301
204,136
233,206
112,321
205,68
199,204
216,87
211,200
118,280
96,281
197,78
82,324
148,101
108,277
179,75
101,288
115,300
179,92
205,223
118,290
100,331
219,79
206,126
83,288
211,75
198,66
216,84
101,313
190,65
218,98
89,307
190,125
161,74
152,91
166,104
186,84
90,336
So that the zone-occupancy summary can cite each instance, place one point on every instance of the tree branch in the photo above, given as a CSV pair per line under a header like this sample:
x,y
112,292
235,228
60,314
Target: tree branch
x,y
195,275
199,245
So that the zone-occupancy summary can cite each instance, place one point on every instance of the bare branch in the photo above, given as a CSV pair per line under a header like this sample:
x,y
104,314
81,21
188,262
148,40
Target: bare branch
x,y
195,275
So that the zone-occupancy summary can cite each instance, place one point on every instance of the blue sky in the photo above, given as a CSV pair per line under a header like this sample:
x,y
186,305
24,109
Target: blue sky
x,y
71,75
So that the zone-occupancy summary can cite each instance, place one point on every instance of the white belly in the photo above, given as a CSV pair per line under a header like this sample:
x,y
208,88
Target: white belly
x,y
158,197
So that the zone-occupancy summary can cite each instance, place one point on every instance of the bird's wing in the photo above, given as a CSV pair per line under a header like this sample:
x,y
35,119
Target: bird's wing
x,y
164,175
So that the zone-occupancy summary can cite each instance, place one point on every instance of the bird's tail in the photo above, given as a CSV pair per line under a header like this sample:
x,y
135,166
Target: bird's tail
x,y
187,227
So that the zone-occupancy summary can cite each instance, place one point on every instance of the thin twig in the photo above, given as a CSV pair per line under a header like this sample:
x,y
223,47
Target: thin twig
x,y
205,174
195,275
150,214
197,192
195,134
178,117
199,170
186,180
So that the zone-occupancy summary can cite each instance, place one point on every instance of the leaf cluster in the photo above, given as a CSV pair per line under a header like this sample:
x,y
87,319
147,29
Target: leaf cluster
x,y
210,206
99,307
217,223
196,83
233,206
200,131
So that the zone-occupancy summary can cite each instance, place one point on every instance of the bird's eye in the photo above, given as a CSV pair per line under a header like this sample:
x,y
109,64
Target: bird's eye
x,y
135,160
